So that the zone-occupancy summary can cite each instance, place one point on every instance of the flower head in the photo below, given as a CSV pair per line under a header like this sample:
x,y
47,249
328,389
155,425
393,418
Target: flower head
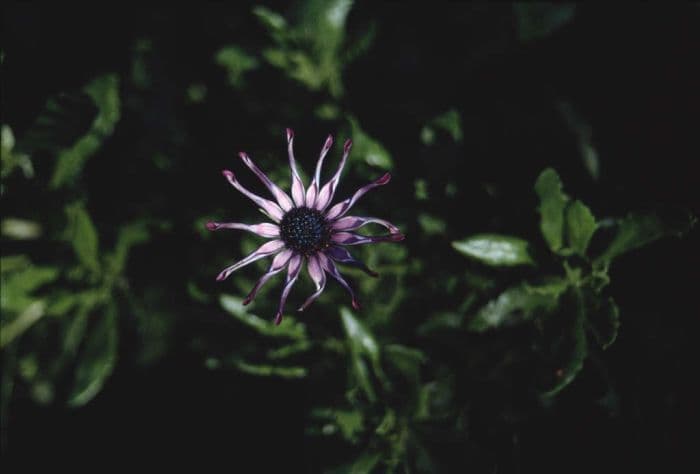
x,y
306,229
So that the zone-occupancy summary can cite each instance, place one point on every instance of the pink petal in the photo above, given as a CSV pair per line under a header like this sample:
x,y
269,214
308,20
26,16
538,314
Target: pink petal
x,y
297,184
342,207
313,266
350,238
282,199
292,274
278,264
264,230
266,249
272,209
312,192
325,196
341,255
330,267
355,222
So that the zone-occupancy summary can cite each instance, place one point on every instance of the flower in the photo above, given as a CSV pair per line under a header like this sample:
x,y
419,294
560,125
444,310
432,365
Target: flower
x,y
306,229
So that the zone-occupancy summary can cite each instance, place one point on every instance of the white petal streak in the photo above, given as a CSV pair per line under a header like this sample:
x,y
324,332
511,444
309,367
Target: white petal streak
x,y
264,230
298,194
278,264
312,192
282,199
342,207
318,276
292,274
265,250
355,222
272,209
325,196
330,267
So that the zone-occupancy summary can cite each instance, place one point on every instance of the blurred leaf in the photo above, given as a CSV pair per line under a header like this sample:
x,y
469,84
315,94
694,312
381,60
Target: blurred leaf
x,y
446,321
97,358
311,50
584,133
407,360
364,464
603,319
104,91
20,229
11,159
637,230
287,328
568,348
362,343
13,263
131,234
580,227
537,20
431,225
495,250
449,122
552,204
513,306
273,21
368,148
289,350
269,370
82,234
24,321
236,62
18,286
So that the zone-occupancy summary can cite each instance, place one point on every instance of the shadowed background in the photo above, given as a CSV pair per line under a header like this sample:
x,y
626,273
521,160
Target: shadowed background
x,y
117,122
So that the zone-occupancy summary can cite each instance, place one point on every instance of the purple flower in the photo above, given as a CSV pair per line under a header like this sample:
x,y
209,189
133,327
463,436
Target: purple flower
x,y
306,229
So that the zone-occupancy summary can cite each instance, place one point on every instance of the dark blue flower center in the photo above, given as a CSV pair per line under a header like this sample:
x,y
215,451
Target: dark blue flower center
x,y
305,230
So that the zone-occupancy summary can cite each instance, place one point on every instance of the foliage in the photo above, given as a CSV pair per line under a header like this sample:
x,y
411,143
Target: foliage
x,y
493,309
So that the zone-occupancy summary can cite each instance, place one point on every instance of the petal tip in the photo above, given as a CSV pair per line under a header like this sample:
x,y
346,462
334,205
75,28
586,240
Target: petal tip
x,y
278,318
328,143
384,179
212,225
228,174
397,237
356,304
290,134
221,276
347,146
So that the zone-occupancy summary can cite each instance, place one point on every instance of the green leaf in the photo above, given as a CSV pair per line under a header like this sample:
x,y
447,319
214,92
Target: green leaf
x,y
104,92
513,306
450,122
580,225
273,21
237,63
24,321
20,229
637,230
19,285
83,235
552,204
368,148
536,20
569,347
603,319
407,360
97,359
362,343
287,328
495,250
269,370
130,235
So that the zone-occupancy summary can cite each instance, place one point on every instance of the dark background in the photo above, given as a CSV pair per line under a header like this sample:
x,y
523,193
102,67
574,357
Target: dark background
x,y
632,73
